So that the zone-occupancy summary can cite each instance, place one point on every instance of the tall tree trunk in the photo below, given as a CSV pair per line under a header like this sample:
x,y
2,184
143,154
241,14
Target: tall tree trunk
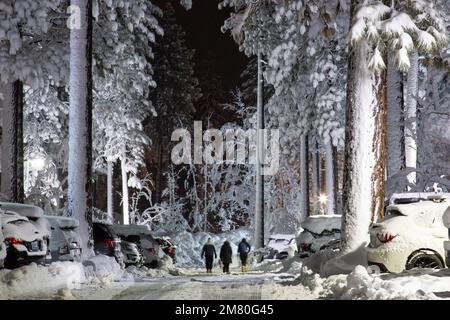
x,y
395,101
329,183
259,204
159,174
411,118
110,190
315,177
12,142
125,196
80,125
205,196
304,177
365,163
337,194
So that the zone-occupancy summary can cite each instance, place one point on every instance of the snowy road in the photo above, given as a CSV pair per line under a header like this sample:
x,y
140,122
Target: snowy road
x,y
251,286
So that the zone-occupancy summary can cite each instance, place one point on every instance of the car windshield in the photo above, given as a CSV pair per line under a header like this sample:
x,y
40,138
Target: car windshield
x,y
68,229
132,238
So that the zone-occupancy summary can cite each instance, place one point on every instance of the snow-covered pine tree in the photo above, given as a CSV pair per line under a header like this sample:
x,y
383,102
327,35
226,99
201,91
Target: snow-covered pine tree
x,y
124,79
27,25
295,37
45,139
375,27
177,91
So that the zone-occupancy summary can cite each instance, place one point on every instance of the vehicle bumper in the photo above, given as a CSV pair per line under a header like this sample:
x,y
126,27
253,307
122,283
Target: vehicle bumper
x,y
24,252
132,259
388,258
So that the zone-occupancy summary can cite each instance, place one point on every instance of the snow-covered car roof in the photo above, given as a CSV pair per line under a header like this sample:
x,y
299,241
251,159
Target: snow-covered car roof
x,y
130,230
23,229
319,223
282,236
25,210
8,216
63,222
428,206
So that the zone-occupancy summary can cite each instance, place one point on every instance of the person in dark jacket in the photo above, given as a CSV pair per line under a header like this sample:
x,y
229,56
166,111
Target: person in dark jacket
x,y
226,254
209,253
244,249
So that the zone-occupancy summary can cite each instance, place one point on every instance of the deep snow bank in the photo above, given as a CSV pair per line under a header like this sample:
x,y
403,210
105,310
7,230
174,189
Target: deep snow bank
x,y
360,285
165,269
190,245
33,279
58,278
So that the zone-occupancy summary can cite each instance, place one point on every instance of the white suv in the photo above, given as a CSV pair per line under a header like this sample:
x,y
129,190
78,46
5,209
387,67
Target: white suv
x,y
24,242
410,236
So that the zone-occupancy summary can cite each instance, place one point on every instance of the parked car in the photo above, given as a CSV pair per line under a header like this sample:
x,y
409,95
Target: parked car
x,y
411,197
319,233
65,242
24,242
106,242
167,246
410,236
281,246
34,214
141,236
132,254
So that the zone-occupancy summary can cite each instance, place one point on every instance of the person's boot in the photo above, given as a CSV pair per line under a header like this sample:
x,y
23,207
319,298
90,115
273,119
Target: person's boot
x,y
242,269
245,268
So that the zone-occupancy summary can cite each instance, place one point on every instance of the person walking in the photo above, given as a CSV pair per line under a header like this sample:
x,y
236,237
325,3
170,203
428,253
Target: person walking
x,y
226,254
244,249
209,253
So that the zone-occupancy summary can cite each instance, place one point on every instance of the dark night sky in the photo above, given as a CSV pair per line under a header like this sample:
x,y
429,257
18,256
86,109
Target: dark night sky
x,y
202,25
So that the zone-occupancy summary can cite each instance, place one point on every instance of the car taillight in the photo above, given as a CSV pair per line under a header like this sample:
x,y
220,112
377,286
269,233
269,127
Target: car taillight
x,y
110,243
385,238
305,246
14,241
151,250
64,250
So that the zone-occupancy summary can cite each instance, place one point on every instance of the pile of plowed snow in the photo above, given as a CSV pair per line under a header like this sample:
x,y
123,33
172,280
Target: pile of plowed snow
x,y
58,278
33,279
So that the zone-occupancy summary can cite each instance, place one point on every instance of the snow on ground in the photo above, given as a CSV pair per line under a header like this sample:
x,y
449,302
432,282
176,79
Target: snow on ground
x,y
58,279
289,279
360,285
34,280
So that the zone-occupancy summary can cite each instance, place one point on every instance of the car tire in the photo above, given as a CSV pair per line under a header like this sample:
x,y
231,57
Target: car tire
x,y
424,259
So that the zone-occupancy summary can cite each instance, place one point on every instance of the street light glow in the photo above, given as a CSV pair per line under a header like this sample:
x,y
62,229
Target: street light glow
x,y
323,199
